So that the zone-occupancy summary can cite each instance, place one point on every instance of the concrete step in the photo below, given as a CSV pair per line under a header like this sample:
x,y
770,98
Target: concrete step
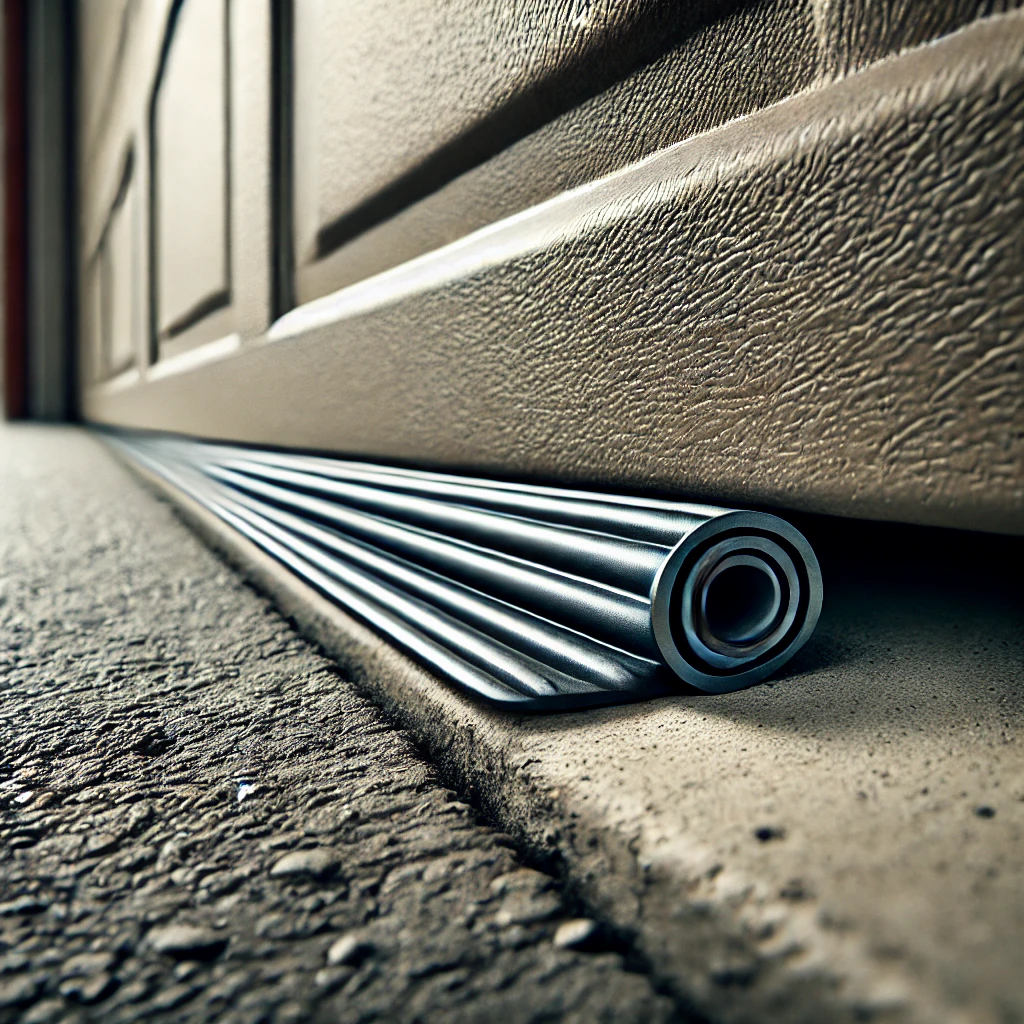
x,y
840,843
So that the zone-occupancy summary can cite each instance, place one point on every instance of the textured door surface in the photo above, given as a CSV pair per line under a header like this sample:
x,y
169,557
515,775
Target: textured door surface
x,y
190,170
757,253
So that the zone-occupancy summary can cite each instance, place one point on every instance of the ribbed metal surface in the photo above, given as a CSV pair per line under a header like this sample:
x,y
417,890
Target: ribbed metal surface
x,y
536,598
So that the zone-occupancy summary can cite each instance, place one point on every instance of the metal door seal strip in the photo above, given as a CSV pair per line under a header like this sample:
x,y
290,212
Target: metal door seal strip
x,y
535,598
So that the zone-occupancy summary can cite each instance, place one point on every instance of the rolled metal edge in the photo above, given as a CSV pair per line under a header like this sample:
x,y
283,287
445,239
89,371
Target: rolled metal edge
x,y
675,624
476,662
732,601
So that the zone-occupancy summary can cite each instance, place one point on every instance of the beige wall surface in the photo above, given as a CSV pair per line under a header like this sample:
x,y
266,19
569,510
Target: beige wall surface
x,y
385,86
157,80
190,127
805,302
103,26
123,287
712,62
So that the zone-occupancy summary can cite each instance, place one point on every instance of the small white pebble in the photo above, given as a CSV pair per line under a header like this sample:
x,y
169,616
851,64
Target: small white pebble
x,y
320,862
572,934
186,942
331,978
346,950
245,789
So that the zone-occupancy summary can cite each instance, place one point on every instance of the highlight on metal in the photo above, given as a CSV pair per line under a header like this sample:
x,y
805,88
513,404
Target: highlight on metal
x,y
535,598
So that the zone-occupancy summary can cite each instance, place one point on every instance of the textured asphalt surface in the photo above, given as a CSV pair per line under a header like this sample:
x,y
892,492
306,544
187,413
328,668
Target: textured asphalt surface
x,y
201,820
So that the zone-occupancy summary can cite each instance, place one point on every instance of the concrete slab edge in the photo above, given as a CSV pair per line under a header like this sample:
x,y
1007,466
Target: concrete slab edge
x,y
481,753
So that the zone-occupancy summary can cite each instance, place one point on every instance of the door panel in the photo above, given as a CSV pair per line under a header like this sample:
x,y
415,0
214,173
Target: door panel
x,y
739,63
104,30
190,168
741,318
855,32
156,78
394,98
121,260
808,302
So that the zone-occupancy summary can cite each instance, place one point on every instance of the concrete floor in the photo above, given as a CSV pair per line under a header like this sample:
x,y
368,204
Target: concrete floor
x,y
843,843
200,818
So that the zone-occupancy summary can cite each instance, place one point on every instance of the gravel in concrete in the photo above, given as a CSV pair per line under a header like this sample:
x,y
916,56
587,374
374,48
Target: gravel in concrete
x,y
841,843
200,819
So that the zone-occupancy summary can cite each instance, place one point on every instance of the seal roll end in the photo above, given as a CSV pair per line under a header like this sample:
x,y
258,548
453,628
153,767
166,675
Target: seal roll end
x,y
735,600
